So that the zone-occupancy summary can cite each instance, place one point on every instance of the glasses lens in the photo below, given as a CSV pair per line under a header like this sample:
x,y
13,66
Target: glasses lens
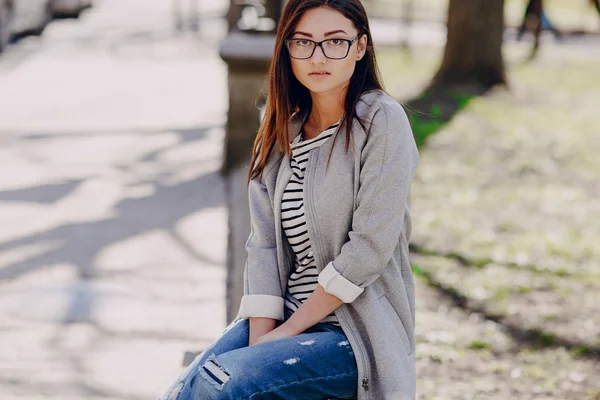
x,y
335,48
300,48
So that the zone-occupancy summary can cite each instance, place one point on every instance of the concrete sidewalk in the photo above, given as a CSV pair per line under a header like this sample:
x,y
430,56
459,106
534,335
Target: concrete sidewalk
x,y
113,212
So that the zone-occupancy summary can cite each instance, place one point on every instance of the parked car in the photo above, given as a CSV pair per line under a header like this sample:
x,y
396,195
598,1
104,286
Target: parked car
x,y
5,22
30,16
69,8
22,17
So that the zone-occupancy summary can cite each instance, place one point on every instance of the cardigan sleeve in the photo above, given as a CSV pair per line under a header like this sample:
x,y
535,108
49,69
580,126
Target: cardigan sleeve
x,y
262,289
388,164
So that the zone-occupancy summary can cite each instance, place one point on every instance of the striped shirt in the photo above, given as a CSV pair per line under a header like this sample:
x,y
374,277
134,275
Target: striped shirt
x,y
303,279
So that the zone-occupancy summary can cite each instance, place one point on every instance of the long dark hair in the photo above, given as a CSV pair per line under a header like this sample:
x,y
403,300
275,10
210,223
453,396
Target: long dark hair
x,y
286,95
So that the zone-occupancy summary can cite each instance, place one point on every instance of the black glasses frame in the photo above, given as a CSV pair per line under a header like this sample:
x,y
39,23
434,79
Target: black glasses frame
x,y
320,44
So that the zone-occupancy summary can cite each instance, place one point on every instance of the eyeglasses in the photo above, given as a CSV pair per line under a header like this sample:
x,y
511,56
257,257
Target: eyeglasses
x,y
334,49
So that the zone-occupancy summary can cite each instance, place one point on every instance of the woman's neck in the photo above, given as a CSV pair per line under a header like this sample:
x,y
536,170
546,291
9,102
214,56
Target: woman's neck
x,y
327,109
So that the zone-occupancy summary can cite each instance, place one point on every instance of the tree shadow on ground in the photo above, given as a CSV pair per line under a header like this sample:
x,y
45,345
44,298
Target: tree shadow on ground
x,y
479,263
429,112
433,108
45,194
524,337
79,243
133,216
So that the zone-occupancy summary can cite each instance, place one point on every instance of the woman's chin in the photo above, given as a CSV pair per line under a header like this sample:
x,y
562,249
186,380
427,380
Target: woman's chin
x,y
317,88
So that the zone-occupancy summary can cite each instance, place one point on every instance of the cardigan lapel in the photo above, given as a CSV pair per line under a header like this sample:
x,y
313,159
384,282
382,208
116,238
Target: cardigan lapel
x,y
285,170
283,176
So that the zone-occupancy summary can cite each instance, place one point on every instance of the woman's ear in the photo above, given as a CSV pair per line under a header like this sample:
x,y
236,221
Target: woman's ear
x,y
362,47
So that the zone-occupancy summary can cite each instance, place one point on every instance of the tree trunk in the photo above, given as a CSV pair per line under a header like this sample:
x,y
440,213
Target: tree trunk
x,y
596,4
473,53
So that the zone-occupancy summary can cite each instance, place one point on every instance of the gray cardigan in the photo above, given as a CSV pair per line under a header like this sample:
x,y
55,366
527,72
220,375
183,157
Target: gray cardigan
x,y
358,219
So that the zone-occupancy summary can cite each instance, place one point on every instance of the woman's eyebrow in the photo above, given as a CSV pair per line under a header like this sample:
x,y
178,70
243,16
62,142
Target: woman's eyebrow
x,y
333,32
302,33
326,33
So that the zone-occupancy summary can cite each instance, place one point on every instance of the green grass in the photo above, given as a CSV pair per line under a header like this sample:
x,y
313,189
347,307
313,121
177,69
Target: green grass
x,y
418,270
479,345
583,351
433,109
594,394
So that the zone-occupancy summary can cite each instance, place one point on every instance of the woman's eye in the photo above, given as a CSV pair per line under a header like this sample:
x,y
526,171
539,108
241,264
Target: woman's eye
x,y
336,42
301,42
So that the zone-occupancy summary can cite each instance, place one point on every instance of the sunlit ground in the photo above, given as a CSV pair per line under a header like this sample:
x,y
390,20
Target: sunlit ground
x,y
506,236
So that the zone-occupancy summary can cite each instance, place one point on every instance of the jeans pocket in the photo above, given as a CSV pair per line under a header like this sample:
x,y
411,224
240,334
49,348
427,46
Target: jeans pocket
x,y
393,315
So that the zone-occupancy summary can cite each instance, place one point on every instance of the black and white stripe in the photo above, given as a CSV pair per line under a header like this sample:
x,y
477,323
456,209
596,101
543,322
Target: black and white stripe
x,y
303,280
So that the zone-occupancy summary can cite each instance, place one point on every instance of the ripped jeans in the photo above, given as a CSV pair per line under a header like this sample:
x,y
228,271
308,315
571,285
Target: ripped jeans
x,y
317,364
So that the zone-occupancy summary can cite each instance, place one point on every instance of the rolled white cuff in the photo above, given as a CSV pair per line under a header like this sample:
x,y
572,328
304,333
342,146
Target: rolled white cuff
x,y
337,285
261,306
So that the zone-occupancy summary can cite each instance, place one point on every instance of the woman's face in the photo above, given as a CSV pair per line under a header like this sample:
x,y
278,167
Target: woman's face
x,y
318,73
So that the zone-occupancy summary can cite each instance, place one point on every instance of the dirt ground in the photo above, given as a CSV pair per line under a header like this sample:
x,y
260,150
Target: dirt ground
x,y
506,234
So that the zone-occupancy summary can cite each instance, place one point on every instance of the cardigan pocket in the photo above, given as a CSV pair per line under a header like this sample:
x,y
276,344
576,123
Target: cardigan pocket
x,y
393,315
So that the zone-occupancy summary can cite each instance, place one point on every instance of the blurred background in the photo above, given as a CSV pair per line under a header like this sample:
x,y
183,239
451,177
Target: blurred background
x,y
125,129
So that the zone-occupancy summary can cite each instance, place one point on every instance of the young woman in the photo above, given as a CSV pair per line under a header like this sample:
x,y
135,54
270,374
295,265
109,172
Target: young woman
x,y
328,308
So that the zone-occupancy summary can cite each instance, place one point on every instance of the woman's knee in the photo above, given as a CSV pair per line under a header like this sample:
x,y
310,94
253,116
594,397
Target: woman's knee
x,y
217,380
235,336
190,384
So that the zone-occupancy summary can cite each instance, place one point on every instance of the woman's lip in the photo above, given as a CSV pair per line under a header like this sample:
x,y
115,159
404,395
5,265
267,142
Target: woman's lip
x,y
319,73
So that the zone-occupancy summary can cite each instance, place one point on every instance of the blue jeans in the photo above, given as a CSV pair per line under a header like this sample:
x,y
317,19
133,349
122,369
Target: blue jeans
x,y
317,364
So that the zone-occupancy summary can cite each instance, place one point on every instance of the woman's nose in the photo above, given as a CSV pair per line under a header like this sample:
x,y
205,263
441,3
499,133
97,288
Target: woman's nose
x,y
318,56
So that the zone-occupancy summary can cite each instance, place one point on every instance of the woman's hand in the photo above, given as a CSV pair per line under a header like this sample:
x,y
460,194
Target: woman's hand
x,y
282,332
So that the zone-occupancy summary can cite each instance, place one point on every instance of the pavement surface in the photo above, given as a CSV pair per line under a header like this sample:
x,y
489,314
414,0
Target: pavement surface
x,y
113,211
